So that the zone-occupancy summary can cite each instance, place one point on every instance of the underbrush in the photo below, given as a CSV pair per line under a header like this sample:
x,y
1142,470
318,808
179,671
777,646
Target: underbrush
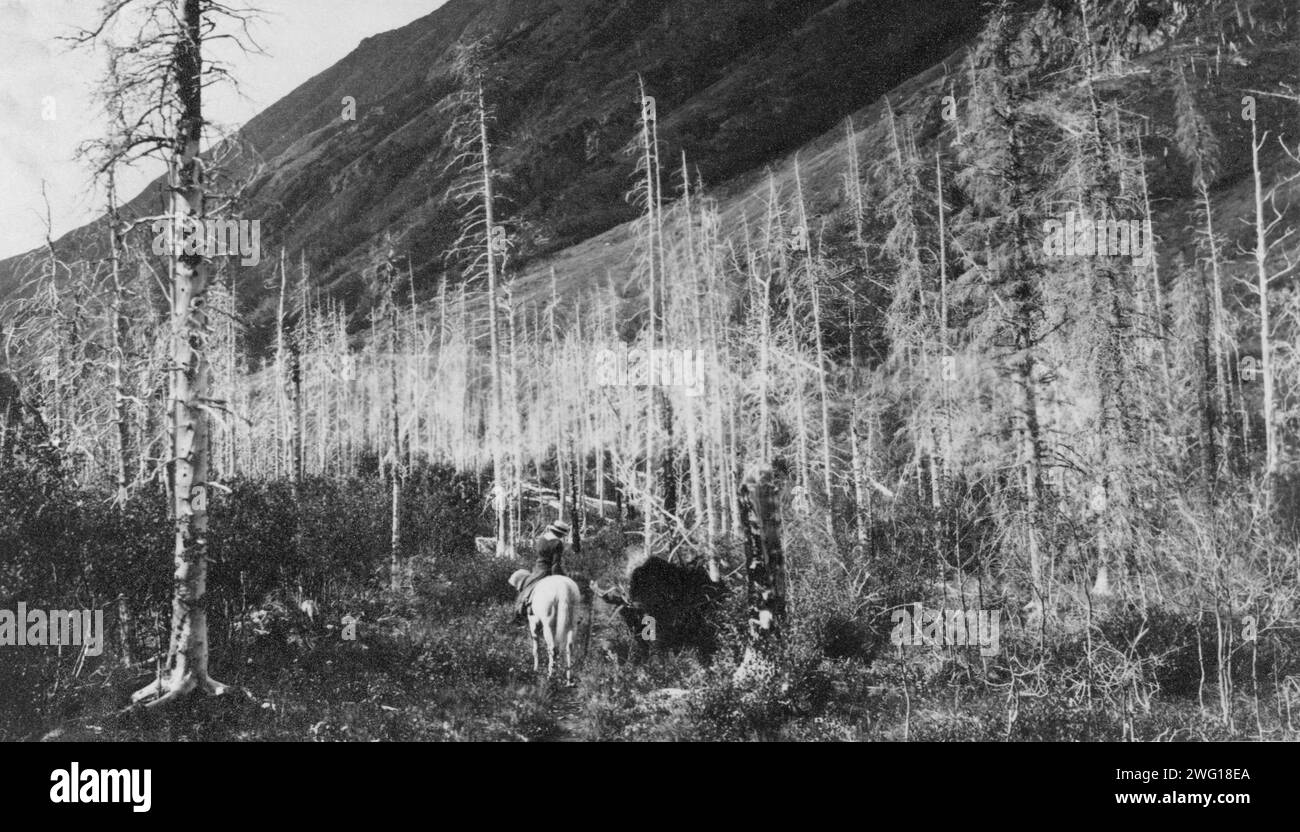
x,y
444,661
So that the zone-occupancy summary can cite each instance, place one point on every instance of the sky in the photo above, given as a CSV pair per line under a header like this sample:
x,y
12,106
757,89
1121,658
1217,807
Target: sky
x,y
47,106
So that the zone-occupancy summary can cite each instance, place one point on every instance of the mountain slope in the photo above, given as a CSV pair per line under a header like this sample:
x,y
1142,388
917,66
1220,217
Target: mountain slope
x,y
1269,64
737,83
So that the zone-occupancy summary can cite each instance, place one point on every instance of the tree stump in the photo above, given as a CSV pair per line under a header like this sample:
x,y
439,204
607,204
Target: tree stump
x,y
764,559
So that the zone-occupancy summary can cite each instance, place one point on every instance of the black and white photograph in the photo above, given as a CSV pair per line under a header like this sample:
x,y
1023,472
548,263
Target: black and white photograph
x,y
607,371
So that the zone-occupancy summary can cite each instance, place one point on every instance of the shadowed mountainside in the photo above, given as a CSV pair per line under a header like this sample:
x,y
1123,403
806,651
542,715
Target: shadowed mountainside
x,y
737,83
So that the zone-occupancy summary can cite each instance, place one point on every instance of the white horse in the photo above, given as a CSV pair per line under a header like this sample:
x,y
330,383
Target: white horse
x,y
552,608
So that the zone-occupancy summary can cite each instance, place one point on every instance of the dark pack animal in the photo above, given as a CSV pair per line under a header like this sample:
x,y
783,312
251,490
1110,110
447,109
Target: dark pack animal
x,y
669,606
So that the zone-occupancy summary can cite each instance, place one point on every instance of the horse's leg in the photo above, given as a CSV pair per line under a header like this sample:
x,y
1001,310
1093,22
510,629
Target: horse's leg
x,y
551,648
532,635
568,658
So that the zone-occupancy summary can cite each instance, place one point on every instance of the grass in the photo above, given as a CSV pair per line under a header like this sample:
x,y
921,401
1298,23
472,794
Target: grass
x,y
465,674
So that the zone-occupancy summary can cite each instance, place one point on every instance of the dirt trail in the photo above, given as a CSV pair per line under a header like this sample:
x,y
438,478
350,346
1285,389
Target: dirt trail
x,y
564,707
564,703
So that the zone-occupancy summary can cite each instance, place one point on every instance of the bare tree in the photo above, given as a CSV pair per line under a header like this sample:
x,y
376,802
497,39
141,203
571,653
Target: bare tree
x,y
1264,225
157,83
483,244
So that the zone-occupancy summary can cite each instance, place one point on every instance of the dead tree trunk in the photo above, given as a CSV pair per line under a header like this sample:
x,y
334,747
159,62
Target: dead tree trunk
x,y
187,656
505,546
118,333
1265,330
397,569
764,559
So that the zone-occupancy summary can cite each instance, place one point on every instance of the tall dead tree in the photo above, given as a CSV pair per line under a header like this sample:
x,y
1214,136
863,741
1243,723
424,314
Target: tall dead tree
x,y
153,90
118,333
483,245
812,273
117,328
648,189
184,79
1264,225
382,279
857,211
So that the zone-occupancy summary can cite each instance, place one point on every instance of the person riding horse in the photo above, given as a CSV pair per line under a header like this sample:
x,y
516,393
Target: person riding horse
x,y
550,550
